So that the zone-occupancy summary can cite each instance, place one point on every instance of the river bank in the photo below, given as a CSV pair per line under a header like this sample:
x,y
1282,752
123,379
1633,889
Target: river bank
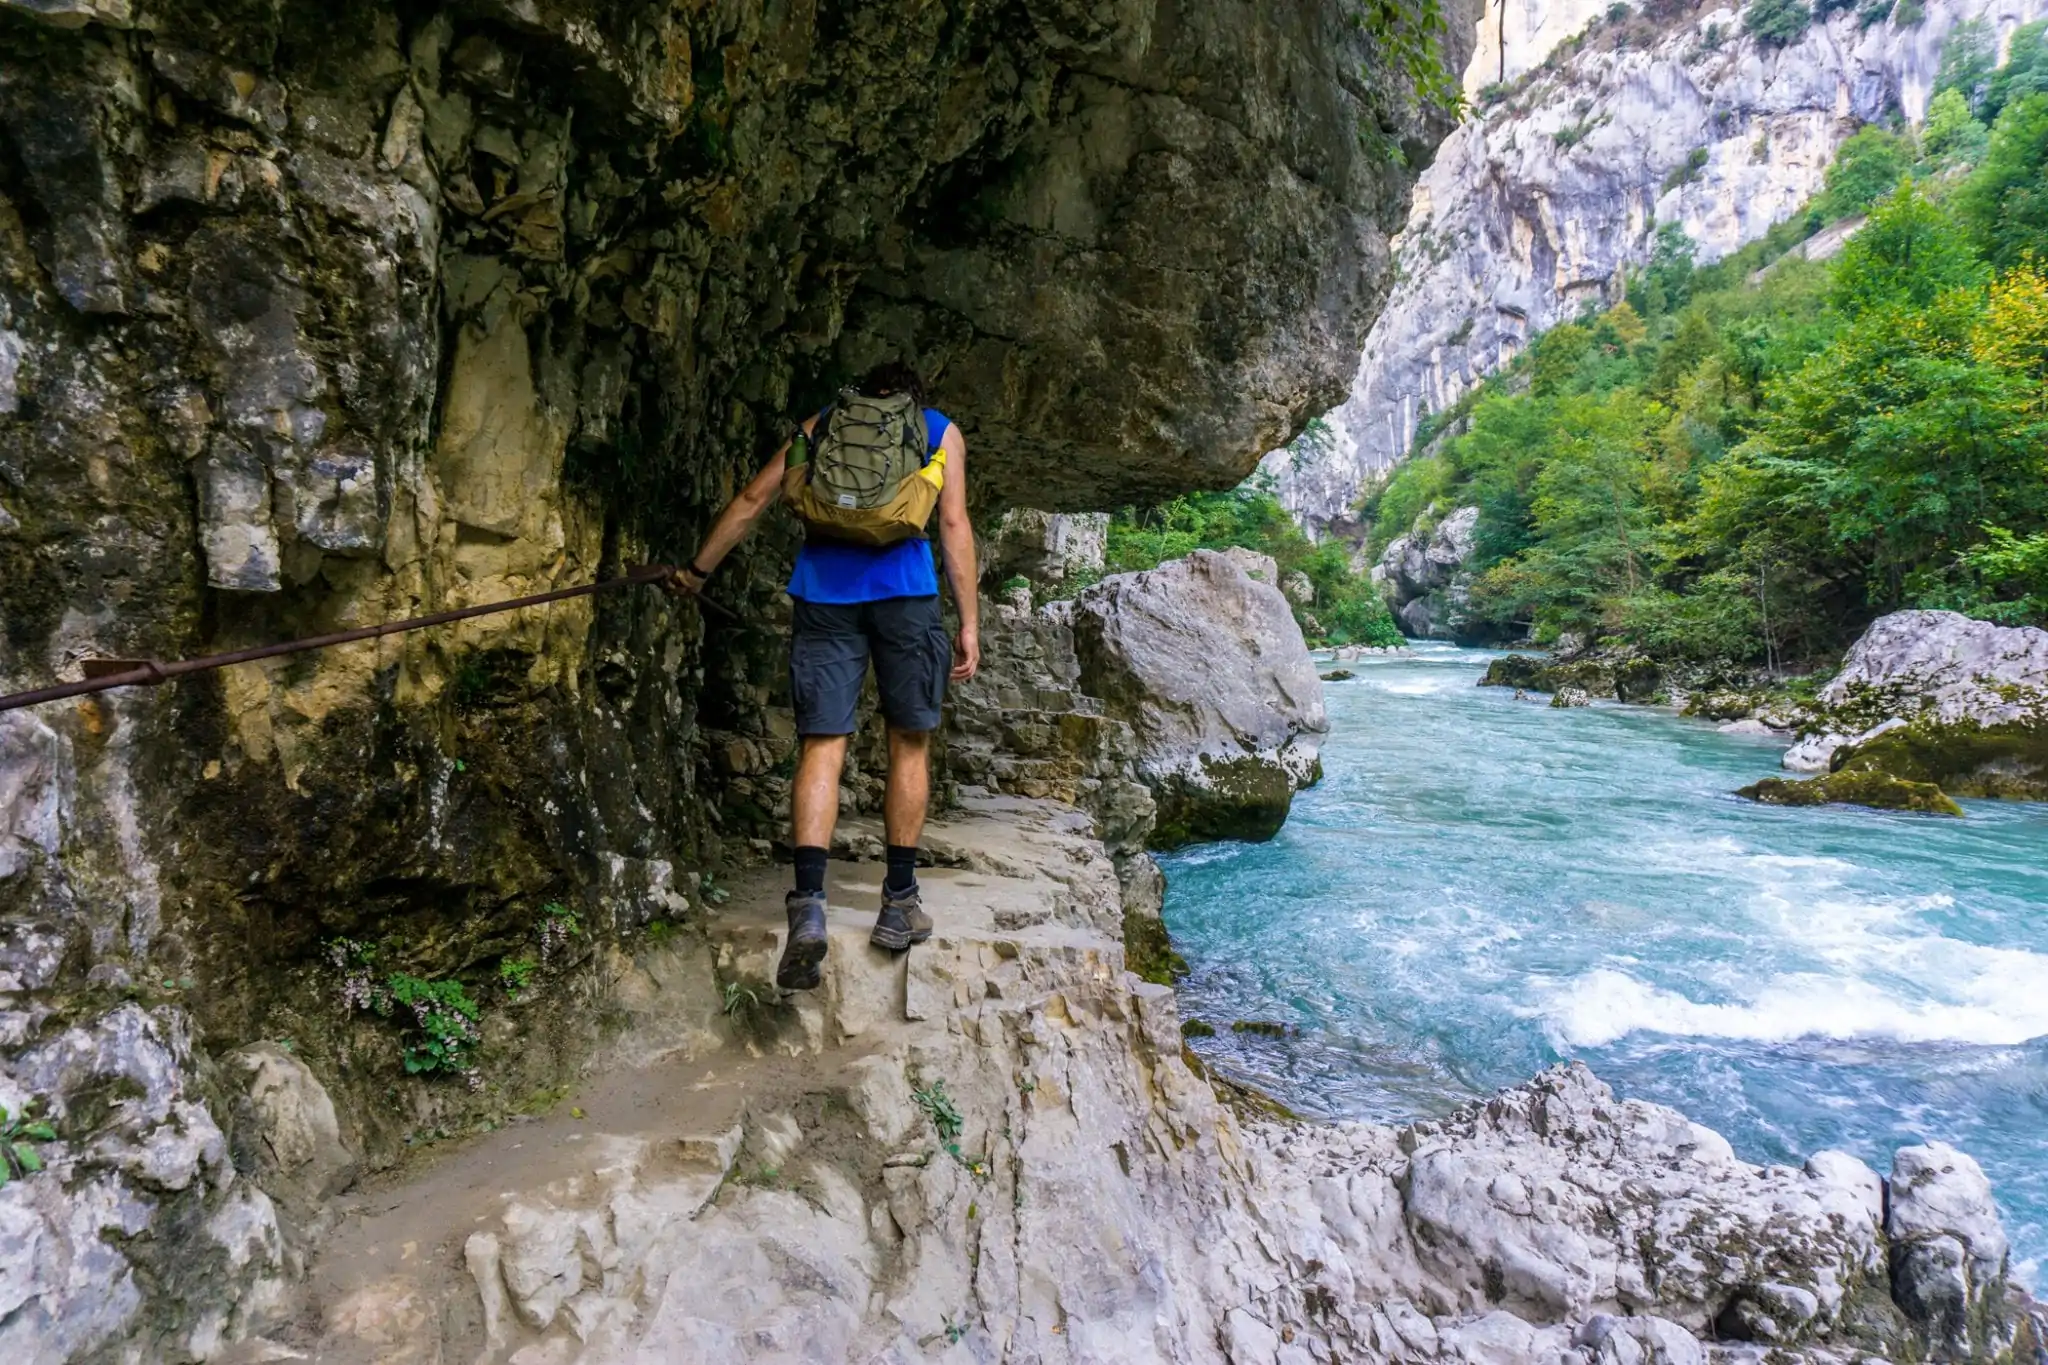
x,y
1481,887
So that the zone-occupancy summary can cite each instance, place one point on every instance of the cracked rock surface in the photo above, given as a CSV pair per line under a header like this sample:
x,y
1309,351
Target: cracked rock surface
x,y
995,1148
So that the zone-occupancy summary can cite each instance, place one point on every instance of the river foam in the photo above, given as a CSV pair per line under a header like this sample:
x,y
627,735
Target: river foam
x,y
1605,1005
1480,887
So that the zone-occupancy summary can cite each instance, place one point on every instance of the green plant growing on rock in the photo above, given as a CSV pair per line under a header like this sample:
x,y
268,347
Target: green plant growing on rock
x,y
19,1135
1688,170
517,973
937,1106
557,925
1407,35
444,1023
742,1002
357,987
1777,23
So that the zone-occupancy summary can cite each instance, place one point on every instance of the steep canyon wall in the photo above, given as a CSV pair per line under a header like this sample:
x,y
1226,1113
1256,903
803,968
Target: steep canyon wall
x,y
318,315
1541,201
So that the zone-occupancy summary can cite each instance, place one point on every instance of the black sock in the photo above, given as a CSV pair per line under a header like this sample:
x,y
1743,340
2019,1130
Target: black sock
x,y
810,869
902,868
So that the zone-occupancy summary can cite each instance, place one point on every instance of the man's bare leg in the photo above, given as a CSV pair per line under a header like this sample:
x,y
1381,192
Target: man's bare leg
x,y
903,920
910,786
814,801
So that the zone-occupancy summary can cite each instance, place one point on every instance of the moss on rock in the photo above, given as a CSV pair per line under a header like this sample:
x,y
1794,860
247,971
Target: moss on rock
x,y
1241,798
1515,670
1148,950
1997,762
1878,790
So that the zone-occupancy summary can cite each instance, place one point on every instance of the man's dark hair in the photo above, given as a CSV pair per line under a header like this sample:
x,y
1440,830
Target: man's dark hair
x,y
893,376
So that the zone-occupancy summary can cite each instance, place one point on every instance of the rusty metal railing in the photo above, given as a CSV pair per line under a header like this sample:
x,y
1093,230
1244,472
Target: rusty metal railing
x,y
103,675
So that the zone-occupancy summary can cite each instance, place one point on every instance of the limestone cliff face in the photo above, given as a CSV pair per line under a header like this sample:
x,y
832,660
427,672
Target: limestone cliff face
x,y
1536,206
314,315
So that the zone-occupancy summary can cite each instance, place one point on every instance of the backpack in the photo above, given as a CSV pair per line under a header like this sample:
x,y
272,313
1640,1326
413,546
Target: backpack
x,y
862,475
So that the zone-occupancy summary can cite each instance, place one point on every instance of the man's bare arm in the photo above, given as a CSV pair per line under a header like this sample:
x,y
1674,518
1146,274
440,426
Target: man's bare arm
x,y
736,520
956,538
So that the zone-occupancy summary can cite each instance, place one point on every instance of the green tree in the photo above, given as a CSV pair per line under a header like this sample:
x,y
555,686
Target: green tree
x,y
1497,461
1665,284
1902,441
1692,342
1867,167
1952,136
1777,23
1968,56
2006,200
2025,71
2011,578
1910,252
1555,359
1593,517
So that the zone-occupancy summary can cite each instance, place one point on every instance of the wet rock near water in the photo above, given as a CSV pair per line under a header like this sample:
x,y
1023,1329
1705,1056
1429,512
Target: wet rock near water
x,y
1935,697
1621,676
1878,790
1423,575
1208,667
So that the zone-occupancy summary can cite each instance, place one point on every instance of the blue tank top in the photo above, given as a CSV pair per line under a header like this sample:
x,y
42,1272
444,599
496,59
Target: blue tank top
x,y
841,574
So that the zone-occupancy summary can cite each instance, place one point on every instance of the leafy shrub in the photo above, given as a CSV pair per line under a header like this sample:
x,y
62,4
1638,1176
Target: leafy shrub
x,y
19,1134
444,1025
1777,23
1686,171
938,1106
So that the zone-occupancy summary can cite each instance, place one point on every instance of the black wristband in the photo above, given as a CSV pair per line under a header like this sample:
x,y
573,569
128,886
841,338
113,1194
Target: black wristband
x,y
695,572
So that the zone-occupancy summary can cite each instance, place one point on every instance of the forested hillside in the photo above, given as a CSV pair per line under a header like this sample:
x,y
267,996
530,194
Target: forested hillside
x,y
1752,459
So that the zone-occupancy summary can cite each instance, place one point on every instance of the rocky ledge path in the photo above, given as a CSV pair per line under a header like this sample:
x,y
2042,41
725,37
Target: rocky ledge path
x,y
996,1148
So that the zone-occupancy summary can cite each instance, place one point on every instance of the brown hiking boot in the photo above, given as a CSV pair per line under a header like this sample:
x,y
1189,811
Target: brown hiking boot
x,y
902,921
804,951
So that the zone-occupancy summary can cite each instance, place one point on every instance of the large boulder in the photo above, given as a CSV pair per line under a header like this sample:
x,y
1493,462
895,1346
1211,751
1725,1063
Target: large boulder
x,y
1948,1252
1209,668
1423,574
1933,696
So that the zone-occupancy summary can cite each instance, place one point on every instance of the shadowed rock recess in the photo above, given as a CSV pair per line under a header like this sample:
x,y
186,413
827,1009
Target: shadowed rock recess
x,y
314,315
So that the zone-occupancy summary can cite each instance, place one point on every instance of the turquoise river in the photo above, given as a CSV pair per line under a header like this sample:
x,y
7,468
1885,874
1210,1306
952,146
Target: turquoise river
x,y
1480,887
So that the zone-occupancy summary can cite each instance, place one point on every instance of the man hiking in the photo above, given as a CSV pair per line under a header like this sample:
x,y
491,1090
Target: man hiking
x,y
864,476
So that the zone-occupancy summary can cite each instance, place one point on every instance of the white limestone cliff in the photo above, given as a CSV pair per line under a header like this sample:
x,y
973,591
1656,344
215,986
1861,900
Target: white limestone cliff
x,y
1512,231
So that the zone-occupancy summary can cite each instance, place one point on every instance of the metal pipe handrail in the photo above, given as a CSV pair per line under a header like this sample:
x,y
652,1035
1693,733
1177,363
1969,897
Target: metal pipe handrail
x,y
102,675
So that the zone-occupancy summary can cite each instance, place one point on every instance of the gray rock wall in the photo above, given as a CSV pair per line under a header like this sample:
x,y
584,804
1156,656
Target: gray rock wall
x,y
320,315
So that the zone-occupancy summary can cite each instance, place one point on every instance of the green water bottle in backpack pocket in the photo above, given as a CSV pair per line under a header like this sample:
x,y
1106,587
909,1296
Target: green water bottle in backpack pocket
x,y
866,473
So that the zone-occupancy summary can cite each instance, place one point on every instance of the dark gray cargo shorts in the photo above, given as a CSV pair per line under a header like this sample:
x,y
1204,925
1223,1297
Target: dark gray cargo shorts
x,y
829,646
